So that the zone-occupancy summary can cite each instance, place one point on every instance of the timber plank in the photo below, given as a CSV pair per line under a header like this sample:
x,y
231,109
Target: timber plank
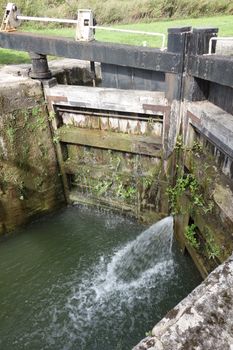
x,y
107,203
138,144
97,171
218,69
96,51
214,123
107,99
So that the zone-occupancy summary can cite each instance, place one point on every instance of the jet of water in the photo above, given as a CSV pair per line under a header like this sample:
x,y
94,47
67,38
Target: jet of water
x,y
149,248
112,289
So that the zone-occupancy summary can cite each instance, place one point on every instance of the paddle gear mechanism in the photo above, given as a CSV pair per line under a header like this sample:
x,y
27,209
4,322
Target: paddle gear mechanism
x,y
10,20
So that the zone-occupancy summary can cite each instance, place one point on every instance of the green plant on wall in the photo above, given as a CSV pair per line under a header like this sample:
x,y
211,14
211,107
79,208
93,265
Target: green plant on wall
x,y
179,143
147,181
148,334
212,248
114,160
12,177
197,147
192,194
190,234
11,127
124,187
126,192
10,132
56,139
26,116
187,183
51,116
35,118
117,186
22,190
102,187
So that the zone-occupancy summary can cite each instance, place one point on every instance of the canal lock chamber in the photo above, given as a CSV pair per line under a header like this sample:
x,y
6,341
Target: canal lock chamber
x,y
119,149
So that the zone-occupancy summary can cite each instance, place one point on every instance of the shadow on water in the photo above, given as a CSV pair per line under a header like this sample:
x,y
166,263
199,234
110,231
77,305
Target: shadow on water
x,y
86,280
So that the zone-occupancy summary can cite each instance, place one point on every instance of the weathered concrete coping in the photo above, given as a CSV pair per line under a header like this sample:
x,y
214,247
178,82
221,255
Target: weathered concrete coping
x,y
214,123
202,321
20,72
135,101
224,48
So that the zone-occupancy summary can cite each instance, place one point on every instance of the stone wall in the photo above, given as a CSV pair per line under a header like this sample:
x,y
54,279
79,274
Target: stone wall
x,y
29,177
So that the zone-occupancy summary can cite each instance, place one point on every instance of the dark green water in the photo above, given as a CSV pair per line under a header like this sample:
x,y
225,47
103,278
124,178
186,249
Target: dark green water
x,y
78,280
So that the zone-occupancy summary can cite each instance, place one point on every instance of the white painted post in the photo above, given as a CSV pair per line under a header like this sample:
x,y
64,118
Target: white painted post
x,y
84,31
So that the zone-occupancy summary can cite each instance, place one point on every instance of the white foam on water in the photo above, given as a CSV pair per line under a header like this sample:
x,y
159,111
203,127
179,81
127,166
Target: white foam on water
x,y
105,296
111,288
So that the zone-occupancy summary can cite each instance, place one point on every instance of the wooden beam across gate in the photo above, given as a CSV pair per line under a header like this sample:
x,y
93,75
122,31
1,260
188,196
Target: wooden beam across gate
x,y
117,54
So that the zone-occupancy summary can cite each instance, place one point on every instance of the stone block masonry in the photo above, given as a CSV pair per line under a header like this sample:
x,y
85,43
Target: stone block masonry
x,y
29,177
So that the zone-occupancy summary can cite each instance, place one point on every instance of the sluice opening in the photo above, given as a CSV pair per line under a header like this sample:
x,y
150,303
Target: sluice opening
x,y
89,280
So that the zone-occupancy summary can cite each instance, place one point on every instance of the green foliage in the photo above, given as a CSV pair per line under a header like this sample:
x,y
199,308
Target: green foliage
x,y
56,139
114,160
22,190
197,147
189,184
26,115
51,116
35,118
147,181
212,248
101,187
38,118
11,128
24,154
190,234
113,185
36,111
10,131
179,143
148,334
126,192
112,11
119,187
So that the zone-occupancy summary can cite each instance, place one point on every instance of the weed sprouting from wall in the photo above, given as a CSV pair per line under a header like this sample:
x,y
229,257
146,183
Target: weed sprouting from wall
x,y
188,183
190,234
192,196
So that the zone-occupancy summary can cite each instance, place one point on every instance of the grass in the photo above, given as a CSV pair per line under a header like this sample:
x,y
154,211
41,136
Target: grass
x,y
224,23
